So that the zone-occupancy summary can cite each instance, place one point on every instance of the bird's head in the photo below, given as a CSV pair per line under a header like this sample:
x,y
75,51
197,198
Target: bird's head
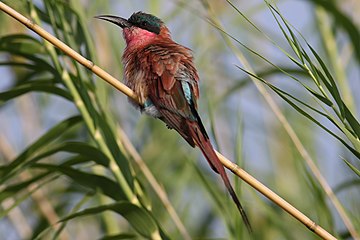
x,y
140,28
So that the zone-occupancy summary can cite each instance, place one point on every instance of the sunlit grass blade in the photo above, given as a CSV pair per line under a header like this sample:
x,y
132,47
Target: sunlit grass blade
x,y
342,20
89,180
119,157
21,199
215,142
21,43
354,123
328,81
352,167
84,200
10,190
321,207
87,153
332,85
283,95
292,41
137,217
215,196
52,134
120,236
346,185
222,203
238,156
246,81
33,86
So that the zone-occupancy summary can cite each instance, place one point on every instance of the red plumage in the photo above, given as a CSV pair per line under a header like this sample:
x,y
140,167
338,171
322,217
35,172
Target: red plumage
x,y
162,71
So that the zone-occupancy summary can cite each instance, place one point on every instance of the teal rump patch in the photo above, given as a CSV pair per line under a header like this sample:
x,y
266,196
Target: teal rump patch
x,y
187,91
148,103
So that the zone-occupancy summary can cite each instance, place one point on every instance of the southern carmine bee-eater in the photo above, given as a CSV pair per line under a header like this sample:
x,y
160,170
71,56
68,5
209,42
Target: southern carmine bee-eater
x,y
162,74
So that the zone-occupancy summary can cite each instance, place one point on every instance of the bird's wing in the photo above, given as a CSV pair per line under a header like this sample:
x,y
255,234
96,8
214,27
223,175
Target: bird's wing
x,y
174,86
173,89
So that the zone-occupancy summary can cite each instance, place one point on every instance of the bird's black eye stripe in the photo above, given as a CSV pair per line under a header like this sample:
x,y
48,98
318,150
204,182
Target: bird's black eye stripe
x,y
146,25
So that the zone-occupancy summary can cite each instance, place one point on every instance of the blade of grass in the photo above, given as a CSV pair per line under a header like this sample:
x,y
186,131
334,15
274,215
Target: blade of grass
x,y
38,196
352,167
33,188
87,110
328,37
52,134
138,218
62,226
33,86
343,21
92,181
125,141
119,236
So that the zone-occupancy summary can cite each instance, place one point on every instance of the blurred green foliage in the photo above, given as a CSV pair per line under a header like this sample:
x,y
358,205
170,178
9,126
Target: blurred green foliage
x,y
60,145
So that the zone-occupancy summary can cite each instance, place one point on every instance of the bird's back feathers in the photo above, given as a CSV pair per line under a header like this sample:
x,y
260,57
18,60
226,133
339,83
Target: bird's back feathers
x,y
170,81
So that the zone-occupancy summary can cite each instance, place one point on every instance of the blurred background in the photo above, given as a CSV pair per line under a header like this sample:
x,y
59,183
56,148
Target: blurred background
x,y
36,94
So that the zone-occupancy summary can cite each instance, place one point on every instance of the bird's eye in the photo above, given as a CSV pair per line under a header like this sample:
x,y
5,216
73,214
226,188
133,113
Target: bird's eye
x,y
144,23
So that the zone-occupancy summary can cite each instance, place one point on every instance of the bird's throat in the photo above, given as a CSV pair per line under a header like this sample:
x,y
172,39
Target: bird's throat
x,y
136,37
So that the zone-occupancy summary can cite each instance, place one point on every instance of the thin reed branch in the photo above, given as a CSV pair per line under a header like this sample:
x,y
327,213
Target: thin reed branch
x,y
311,225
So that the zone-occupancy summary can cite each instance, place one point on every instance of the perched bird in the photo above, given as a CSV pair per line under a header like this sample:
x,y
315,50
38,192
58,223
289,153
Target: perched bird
x,y
162,74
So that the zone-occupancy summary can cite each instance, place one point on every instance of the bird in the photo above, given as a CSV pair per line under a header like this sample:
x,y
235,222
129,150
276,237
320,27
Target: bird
x,y
162,74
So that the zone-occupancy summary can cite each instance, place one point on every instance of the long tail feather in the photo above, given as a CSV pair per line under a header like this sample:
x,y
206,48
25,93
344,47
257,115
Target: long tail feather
x,y
205,145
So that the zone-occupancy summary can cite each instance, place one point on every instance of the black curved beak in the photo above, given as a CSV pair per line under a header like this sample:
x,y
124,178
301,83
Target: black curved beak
x,y
122,22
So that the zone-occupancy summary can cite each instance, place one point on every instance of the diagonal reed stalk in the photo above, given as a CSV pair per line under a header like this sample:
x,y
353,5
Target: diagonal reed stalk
x,y
124,89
